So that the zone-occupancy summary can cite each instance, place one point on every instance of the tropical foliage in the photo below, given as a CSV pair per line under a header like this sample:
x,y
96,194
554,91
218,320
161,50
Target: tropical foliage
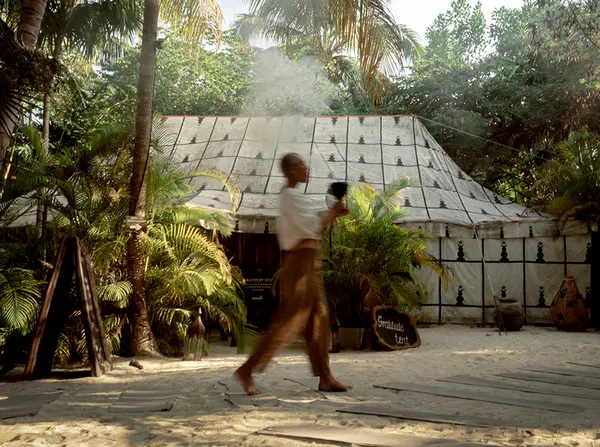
x,y
369,260
19,295
87,198
569,185
514,100
330,30
499,95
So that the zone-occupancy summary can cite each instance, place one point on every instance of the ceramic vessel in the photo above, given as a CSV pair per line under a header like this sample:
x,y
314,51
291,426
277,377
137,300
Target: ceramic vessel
x,y
512,313
568,310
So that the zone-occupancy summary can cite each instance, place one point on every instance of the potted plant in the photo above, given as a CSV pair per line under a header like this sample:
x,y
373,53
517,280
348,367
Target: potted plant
x,y
369,260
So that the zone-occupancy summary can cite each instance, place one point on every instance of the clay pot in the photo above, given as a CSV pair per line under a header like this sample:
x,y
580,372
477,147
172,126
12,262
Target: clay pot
x,y
513,314
568,310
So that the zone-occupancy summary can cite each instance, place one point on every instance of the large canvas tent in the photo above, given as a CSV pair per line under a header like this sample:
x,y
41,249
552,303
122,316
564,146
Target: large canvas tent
x,y
493,246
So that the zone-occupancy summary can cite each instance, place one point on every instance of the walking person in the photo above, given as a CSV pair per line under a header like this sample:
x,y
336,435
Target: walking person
x,y
303,307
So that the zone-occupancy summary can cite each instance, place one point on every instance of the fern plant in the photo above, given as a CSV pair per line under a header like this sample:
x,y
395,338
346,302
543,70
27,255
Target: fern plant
x,y
19,298
369,260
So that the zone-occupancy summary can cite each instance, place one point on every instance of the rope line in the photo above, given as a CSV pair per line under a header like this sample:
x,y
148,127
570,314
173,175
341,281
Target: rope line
x,y
478,137
487,274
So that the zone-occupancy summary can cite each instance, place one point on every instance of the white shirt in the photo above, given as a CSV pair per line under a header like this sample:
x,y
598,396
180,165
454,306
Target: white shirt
x,y
297,219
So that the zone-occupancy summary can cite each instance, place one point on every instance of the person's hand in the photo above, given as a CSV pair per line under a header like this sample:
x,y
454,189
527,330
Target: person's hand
x,y
339,209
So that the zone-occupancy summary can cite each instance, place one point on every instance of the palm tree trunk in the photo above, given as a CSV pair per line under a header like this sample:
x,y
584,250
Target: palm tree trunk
x,y
142,340
39,217
30,22
46,120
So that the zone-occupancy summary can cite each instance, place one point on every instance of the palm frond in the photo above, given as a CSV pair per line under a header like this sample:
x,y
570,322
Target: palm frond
x,y
213,219
190,19
572,180
63,349
117,293
113,325
248,26
19,294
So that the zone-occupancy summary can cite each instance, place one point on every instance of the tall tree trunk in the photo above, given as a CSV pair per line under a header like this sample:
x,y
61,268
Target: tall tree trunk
x,y
142,340
40,218
46,122
30,22
56,54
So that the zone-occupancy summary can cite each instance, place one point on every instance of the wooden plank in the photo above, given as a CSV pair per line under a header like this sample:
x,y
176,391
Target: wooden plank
x,y
424,416
144,401
107,357
313,384
355,436
584,364
141,407
490,383
45,340
148,394
482,397
20,405
554,379
238,397
565,371
97,352
243,400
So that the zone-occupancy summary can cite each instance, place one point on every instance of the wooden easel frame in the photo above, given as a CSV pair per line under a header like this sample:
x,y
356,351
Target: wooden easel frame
x,y
72,258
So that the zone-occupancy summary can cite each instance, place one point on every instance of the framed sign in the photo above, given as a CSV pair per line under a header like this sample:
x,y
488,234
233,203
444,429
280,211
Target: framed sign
x,y
258,294
394,329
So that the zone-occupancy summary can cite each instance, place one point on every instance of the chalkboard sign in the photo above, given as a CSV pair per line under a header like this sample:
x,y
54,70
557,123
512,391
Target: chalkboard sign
x,y
258,294
394,329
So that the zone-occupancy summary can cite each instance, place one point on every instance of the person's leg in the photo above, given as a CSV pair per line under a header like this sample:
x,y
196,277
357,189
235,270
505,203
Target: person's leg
x,y
290,320
317,335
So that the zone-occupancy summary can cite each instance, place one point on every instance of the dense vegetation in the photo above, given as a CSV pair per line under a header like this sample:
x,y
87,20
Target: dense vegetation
x,y
369,261
514,101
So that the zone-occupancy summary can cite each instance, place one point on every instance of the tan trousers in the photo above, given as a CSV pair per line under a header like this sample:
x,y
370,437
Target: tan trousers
x,y
302,309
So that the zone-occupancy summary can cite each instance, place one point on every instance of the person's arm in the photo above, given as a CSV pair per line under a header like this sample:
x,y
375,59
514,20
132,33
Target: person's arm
x,y
337,210
303,216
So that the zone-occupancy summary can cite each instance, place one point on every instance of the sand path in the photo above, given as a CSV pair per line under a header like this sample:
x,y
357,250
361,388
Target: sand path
x,y
202,416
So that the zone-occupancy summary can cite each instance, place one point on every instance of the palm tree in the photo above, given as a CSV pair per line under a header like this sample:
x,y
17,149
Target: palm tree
x,y
28,27
89,27
570,182
190,19
370,260
333,29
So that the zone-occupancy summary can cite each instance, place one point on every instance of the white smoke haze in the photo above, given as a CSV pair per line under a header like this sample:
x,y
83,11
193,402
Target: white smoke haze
x,y
284,87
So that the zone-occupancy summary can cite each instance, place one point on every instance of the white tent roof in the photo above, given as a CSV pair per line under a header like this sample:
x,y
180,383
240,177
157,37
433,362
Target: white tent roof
x,y
373,149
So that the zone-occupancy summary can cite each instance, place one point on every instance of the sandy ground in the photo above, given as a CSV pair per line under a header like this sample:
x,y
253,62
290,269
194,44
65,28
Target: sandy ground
x,y
202,416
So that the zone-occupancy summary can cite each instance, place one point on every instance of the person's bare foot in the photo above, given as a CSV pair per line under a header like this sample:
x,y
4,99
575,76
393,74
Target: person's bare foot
x,y
245,378
331,385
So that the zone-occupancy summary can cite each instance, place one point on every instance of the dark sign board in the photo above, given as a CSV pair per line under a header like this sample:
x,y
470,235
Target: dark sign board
x,y
258,295
394,329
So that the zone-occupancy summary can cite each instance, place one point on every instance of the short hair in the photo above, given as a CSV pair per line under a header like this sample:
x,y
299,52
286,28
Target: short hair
x,y
289,161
